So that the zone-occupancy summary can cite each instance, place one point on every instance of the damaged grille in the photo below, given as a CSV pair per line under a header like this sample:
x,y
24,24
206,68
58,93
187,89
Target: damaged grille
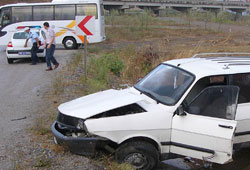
x,y
121,111
67,120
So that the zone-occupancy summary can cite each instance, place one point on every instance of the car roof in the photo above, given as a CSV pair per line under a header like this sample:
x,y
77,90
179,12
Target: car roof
x,y
202,67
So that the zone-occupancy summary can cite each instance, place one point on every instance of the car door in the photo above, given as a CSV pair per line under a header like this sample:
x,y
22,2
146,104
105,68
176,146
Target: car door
x,y
242,134
205,129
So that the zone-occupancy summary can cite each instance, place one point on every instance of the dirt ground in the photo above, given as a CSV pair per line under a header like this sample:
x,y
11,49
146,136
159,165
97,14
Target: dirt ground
x,y
21,89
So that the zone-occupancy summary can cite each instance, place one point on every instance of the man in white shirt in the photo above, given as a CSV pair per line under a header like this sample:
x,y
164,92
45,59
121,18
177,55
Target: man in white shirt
x,y
50,45
36,44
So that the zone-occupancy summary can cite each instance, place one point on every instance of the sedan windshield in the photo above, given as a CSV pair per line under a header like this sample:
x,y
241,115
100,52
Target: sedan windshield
x,y
165,84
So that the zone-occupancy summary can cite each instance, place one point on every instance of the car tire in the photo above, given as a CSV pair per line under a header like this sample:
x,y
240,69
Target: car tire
x,y
10,60
139,154
69,43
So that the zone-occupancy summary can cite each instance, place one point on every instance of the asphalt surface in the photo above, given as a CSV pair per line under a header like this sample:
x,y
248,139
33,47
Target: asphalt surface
x,y
21,86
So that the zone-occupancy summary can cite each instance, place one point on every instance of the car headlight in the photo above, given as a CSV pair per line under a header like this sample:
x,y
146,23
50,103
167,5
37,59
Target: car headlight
x,y
80,124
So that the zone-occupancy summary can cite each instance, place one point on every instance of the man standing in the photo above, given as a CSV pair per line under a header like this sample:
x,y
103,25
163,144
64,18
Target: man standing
x,y
36,44
50,47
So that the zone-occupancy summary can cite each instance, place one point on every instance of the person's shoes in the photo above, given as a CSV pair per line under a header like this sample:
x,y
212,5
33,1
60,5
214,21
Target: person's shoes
x,y
56,66
49,69
33,64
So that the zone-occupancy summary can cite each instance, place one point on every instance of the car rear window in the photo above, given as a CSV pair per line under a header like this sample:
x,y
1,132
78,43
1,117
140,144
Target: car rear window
x,y
22,35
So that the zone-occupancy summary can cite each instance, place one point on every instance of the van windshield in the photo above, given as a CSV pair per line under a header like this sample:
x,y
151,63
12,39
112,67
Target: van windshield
x,y
4,17
165,84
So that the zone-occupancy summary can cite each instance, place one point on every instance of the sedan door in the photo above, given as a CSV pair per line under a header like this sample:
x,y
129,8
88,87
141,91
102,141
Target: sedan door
x,y
205,129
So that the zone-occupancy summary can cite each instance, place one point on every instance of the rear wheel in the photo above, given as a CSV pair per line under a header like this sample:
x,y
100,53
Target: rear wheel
x,y
10,60
140,154
69,43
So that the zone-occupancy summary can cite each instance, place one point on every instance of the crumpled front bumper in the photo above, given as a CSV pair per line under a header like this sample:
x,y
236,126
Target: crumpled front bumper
x,y
85,146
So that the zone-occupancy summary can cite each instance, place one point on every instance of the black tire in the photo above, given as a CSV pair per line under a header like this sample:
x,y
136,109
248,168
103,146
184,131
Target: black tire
x,y
69,43
140,154
10,60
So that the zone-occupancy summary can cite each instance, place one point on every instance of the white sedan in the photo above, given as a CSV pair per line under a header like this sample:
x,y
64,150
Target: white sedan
x,y
16,50
184,107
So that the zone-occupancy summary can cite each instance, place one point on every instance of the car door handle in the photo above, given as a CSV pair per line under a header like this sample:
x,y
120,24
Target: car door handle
x,y
225,126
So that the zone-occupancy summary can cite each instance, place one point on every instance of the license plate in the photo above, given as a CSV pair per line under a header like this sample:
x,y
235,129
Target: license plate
x,y
24,53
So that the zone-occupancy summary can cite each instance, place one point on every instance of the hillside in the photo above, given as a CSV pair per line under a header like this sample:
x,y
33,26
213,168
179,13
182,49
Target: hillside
x,y
3,2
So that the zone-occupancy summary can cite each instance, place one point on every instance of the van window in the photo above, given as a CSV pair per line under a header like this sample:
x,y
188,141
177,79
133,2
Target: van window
x,y
42,13
87,10
20,14
5,17
102,10
64,12
243,81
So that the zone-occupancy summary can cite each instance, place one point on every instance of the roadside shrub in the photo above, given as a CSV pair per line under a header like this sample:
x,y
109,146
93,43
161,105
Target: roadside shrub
x,y
102,66
115,64
225,17
98,69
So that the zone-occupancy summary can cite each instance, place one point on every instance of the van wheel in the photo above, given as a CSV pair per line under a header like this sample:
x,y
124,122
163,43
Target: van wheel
x,y
10,60
139,154
69,43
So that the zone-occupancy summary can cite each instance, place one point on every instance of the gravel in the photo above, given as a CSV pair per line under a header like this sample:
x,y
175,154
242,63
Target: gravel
x,y
21,89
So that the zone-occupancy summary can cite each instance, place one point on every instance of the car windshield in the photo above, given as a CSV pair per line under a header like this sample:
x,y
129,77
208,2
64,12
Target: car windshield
x,y
165,84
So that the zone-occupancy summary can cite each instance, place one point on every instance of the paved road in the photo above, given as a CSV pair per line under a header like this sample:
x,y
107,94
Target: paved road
x,y
21,86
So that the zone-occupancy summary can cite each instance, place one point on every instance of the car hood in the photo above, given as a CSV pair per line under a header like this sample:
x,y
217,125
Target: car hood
x,y
96,103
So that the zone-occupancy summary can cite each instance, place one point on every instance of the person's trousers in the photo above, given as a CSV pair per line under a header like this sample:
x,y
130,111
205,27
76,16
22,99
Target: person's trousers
x,y
34,50
50,55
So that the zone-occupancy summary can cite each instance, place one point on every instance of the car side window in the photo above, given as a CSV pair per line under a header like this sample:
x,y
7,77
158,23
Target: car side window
x,y
243,81
215,101
202,84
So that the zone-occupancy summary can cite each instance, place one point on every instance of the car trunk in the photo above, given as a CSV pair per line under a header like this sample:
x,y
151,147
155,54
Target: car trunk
x,y
18,44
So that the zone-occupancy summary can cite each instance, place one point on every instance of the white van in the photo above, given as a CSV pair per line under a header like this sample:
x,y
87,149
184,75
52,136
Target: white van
x,y
187,107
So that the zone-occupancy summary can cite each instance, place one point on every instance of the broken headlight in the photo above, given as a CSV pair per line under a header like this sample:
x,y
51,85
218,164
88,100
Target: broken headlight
x,y
80,124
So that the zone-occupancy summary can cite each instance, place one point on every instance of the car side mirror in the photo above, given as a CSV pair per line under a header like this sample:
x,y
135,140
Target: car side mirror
x,y
180,111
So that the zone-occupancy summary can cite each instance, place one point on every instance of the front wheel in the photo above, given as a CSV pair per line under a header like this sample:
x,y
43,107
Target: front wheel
x,y
139,154
69,43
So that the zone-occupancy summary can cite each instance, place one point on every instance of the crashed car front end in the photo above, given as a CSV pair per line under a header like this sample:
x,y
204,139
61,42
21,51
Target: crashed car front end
x,y
71,128
72,133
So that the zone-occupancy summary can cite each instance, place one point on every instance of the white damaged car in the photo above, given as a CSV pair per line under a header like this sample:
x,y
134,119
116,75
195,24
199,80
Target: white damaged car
x,y
197,107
